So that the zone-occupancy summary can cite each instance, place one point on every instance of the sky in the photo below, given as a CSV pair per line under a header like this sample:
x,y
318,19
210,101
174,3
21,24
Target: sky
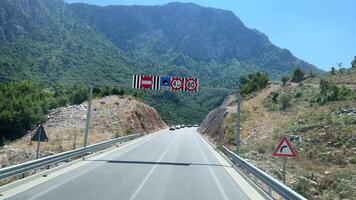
x,y
321,32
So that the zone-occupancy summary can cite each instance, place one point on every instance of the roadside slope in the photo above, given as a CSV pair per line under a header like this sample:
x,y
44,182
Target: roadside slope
x,y
112,116
319,118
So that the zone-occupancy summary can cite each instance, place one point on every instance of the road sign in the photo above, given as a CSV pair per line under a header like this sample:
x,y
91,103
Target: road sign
x,y
40,135
177,84
165,83
191,85
146,82
284,149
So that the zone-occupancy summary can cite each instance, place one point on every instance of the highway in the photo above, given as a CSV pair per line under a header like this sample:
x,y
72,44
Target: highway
x,y
175,165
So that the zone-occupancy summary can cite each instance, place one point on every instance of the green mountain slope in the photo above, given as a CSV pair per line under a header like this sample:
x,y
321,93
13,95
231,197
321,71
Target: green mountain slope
x,y
43,40
49,41
188,39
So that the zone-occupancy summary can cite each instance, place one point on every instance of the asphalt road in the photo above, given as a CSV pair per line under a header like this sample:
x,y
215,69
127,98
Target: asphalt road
x,y
175,165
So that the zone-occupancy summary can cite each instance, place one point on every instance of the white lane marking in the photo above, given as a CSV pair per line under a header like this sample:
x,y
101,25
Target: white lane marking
x,y
221,189
31,184
152,170
249,190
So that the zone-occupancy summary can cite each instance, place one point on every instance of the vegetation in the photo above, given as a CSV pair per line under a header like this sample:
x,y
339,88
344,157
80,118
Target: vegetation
x,y
285,79
284,101
332,92
333,70
298,75
25,104
67,49
253,82
353,63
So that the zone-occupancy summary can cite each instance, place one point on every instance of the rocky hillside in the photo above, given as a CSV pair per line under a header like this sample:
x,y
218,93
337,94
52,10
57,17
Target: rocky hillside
x,y
318,116
112,116
181,37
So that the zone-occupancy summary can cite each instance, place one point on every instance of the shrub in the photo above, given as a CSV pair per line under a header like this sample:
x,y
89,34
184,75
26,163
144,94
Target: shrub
x,y
275,97
332,92
284,100
285,79
253,82
298,75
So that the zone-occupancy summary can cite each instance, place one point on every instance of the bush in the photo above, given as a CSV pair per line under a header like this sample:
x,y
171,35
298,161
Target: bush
x,y
275,97
285,79
253,82
298,75
332,92
284,100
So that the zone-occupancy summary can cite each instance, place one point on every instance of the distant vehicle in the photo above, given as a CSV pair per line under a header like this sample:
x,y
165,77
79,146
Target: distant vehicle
x,y
182,126
196,125
172,128
189,125
177,127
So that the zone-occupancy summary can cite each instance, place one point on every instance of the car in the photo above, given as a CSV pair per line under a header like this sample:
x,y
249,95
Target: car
x,y
172,128
196,125
182,126
177,127
189,125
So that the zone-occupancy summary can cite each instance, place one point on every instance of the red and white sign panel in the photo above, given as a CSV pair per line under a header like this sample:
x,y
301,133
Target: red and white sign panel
x,y
172,83
284,149
177,84
191,84
146,82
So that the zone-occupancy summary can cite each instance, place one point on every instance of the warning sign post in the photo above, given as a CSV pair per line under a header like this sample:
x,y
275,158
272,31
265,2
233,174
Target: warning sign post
x,y
284,149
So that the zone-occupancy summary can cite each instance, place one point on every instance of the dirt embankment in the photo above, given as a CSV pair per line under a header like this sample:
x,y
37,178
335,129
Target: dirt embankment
x,y
112,116
323,136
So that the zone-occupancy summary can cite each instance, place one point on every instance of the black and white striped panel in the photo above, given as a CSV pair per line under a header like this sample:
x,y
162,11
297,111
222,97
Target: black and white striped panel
x,y
156,83
136,81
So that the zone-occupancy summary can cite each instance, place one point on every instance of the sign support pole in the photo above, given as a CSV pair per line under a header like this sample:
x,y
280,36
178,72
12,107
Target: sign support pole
x,y
38,143
238,103
284,170
88,117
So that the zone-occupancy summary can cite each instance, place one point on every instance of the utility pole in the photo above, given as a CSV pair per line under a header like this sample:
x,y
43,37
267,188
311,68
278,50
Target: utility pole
x,y
238,103
87,124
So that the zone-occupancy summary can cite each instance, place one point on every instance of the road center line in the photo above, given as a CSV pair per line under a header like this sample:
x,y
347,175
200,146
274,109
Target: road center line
x,y
152,170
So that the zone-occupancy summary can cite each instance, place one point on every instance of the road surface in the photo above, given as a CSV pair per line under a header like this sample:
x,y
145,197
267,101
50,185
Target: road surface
x,y
177,165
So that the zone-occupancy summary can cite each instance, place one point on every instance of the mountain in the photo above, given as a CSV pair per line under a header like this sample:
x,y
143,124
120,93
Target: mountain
x,y
52,42
188,39
44,41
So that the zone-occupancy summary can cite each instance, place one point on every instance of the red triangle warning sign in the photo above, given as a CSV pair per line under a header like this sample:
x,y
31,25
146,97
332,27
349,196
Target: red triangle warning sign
x,y
284,149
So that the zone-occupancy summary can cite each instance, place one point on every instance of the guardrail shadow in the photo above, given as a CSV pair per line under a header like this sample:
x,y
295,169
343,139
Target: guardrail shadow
x,y
160,163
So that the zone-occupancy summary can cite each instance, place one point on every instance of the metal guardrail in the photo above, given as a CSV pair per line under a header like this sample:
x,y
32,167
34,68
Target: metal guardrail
x,y
46,161
282,190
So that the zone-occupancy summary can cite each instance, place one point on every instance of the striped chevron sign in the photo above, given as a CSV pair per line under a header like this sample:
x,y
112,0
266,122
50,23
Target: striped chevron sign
x,y
146,82
173,84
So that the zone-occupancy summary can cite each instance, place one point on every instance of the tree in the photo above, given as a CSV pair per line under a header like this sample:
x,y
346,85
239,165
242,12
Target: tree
x,y
298,75
333,70
353,63
285,79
